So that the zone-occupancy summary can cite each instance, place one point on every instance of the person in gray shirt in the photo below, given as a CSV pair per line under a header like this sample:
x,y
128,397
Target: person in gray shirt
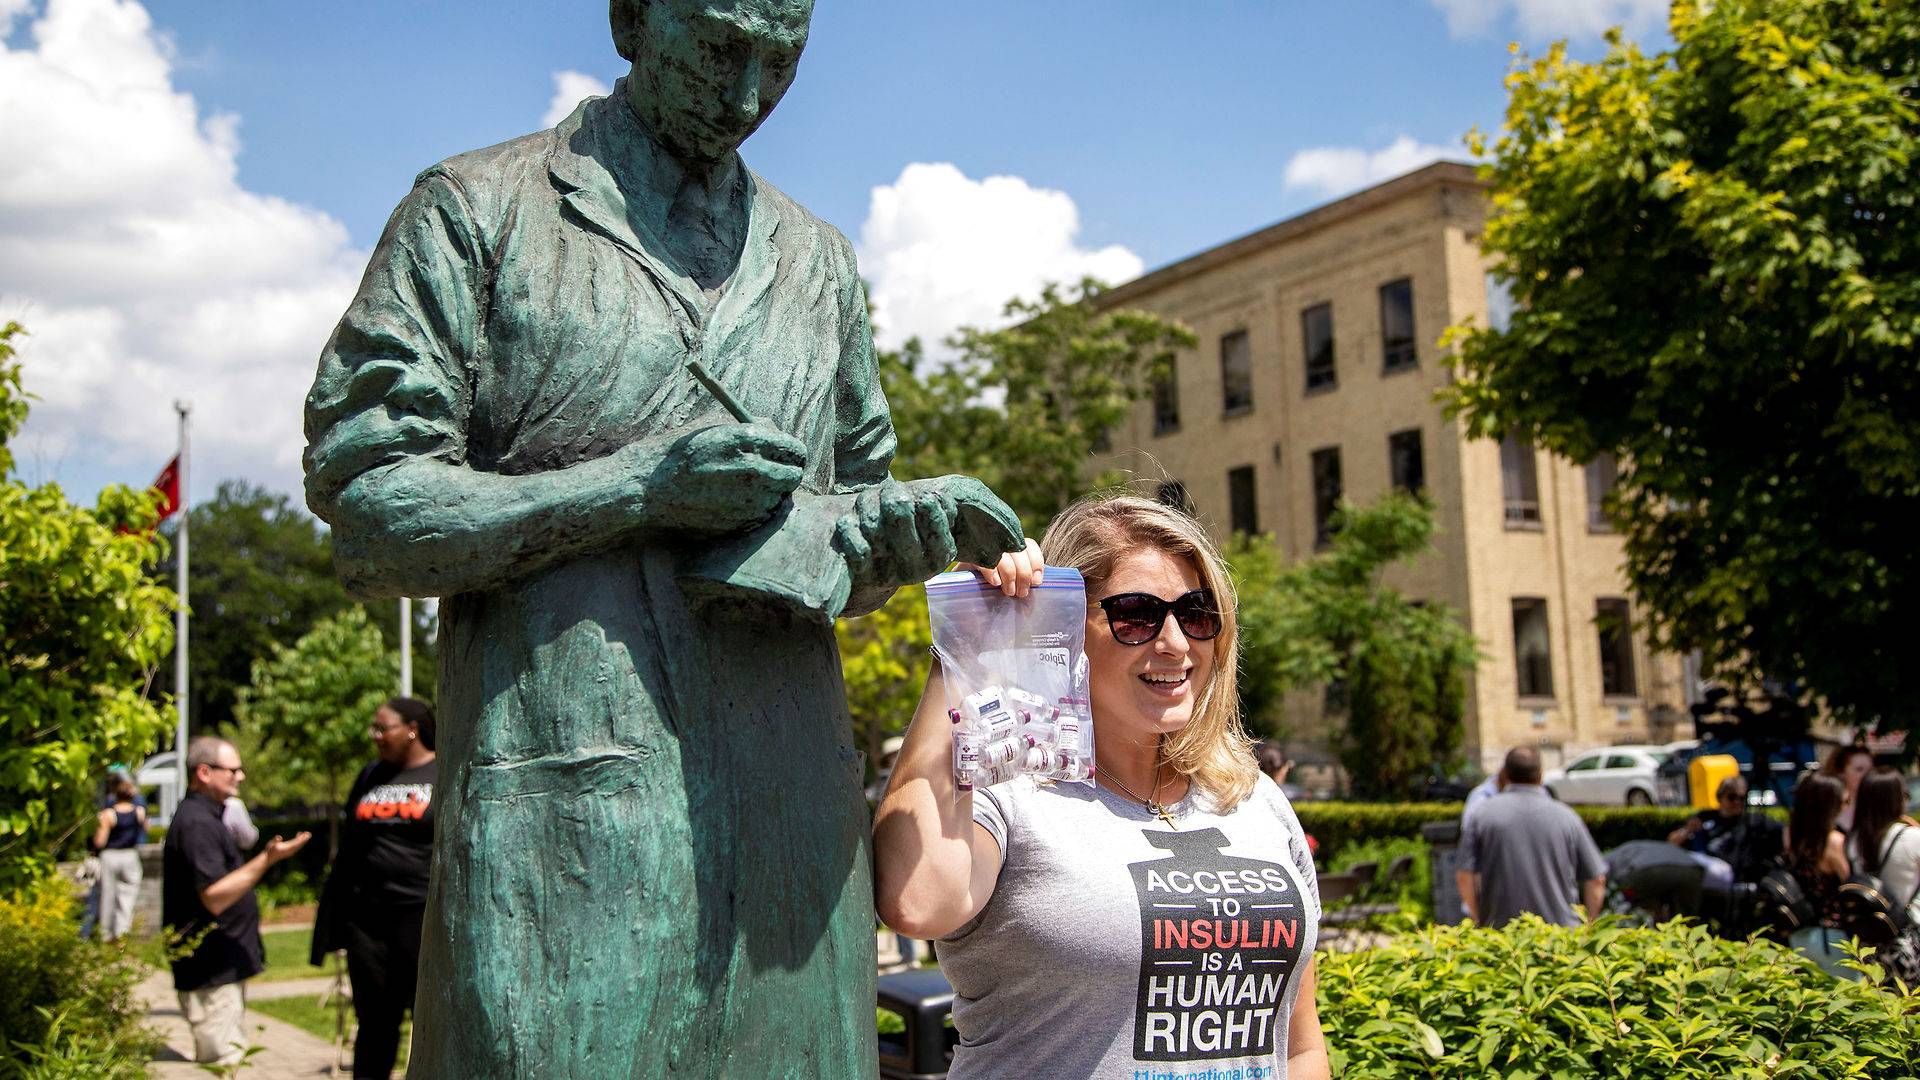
x,y
1521,851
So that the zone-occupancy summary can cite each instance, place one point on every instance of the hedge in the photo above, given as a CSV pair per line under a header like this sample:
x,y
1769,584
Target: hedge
x,y
1670,1002
68,1007
1337,824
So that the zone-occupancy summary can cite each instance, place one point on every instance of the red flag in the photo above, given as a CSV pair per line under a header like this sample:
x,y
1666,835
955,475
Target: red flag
x,y
168,485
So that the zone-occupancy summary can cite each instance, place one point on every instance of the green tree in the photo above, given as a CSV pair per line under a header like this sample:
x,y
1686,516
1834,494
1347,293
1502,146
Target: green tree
x,y
1026,407
1273,659
1715,259
81,632
883,658
310,703
1397,667
262,576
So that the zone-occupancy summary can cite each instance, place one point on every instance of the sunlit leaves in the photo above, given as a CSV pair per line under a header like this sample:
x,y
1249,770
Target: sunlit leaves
x,y
1716,262
81,632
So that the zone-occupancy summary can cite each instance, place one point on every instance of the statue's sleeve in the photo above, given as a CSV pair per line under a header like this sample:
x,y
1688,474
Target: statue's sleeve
x,y
395,379
387,427
863,438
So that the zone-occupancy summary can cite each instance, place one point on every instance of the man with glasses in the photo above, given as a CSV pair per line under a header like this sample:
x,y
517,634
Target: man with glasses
x,y
207,902
1730,842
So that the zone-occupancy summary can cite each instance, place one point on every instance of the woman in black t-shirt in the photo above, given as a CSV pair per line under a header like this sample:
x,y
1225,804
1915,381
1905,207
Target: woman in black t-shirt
x,y
377,892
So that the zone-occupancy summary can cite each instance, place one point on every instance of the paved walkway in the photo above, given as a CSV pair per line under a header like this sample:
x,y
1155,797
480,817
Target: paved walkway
x,y
287,1053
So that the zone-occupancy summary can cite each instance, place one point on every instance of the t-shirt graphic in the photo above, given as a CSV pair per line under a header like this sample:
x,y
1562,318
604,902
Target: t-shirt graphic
x,y
395,803
1219,940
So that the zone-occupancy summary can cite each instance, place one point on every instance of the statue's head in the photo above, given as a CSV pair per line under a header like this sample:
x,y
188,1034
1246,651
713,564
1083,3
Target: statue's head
x,y
707,72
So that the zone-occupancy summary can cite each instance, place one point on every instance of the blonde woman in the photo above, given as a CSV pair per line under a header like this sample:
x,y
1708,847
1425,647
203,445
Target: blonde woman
x,y
1162,917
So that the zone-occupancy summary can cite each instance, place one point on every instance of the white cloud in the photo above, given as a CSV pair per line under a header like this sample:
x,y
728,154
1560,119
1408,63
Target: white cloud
x,y
942,250
142,269
1337,170
1538,19
570,88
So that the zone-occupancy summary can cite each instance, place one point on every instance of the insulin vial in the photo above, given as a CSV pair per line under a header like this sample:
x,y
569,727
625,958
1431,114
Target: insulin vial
x,y
1068,724
998,753
989,713
1037,760
999,774
966,751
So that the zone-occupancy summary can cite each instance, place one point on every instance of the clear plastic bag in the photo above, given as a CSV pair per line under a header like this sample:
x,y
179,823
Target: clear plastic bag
x,y
1016,677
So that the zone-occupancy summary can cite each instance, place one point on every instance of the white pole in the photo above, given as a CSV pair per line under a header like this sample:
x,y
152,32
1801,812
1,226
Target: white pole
x,y
180,619
406,647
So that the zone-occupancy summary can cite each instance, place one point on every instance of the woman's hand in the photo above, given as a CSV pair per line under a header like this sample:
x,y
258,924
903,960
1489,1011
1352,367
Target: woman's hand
x,y
1016,573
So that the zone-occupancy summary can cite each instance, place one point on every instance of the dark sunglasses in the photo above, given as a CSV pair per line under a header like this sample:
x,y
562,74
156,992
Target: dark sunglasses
x,y
1136,617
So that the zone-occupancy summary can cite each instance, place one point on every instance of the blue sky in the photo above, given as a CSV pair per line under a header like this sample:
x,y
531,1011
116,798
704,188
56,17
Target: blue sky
x,y
190,188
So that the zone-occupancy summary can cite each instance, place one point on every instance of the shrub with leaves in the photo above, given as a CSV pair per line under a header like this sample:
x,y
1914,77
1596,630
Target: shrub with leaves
x,y
1663,1003
1337,824
81,631
1413,893
67,1008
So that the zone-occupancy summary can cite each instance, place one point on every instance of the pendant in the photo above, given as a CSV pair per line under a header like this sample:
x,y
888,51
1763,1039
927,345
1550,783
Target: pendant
x,y
1161,812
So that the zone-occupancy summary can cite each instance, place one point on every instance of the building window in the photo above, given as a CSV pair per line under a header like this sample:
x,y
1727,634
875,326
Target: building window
x,y
1242,506
1326,493
1602,473
1174,493
1615,623
1500,305
1396,326
1166,401
1519,483
1316,326
1236,373
1532,655
1408,461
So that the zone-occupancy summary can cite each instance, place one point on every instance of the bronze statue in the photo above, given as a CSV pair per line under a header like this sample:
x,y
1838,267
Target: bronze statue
x,y
652,846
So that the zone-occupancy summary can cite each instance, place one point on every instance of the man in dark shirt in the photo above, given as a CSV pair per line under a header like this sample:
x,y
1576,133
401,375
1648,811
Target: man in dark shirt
x,y
207,902
1739,845
1523,851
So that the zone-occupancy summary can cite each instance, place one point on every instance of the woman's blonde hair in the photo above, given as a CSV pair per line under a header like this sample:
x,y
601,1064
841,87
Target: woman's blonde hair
x,y
1092,536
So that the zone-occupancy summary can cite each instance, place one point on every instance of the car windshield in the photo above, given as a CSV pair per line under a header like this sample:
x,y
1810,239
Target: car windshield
x,y
1659,757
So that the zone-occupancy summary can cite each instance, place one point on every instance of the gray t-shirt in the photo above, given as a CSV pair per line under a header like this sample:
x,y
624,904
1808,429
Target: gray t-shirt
x,y
1531,852
1119,948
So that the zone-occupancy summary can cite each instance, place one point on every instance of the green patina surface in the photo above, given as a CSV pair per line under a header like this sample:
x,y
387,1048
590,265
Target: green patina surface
x,y
652,844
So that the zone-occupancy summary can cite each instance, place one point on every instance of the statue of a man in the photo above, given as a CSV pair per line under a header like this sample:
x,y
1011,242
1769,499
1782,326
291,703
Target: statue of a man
x,y
651,853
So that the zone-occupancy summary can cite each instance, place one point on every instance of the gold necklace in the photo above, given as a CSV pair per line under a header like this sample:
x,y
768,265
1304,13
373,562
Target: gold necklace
x,y
1153,805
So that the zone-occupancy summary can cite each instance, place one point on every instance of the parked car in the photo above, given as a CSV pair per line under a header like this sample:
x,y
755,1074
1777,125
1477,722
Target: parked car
x,y
1612,775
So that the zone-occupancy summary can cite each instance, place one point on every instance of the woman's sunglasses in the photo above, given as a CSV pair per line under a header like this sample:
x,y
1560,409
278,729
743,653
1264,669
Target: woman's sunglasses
x,y
1136,617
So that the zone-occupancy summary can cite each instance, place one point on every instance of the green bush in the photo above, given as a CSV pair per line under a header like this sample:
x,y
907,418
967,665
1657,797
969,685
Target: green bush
x,y
1337,824
67,1008
1663,1003
1414,893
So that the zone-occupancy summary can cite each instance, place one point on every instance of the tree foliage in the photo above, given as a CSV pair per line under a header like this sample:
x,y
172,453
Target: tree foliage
x,y
883,659
81,632
262,575
310,703
1398,667
1025,407
1715,258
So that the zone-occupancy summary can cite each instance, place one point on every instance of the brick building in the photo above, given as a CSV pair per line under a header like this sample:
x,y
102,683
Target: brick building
x,y
1314,379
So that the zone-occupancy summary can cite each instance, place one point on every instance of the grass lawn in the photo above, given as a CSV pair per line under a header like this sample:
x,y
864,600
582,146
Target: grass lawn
x,y
287,956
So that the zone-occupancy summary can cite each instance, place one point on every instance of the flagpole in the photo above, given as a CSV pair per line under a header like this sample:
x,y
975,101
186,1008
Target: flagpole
x,y
180,617
406,646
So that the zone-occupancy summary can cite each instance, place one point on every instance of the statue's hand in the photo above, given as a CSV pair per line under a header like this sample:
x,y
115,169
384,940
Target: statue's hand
x,y
904,532
721,479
